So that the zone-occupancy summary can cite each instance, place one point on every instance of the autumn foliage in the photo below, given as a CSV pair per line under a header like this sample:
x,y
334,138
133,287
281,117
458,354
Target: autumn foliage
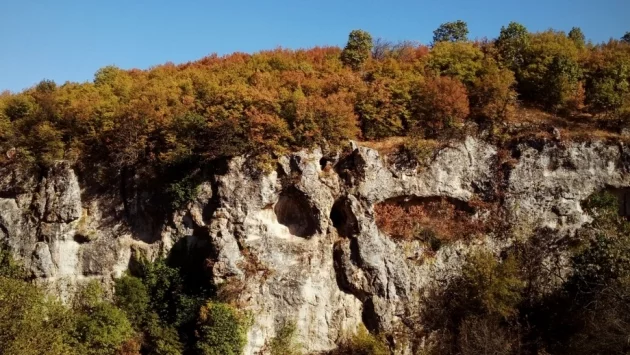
x,y
267,103
441,104
407,220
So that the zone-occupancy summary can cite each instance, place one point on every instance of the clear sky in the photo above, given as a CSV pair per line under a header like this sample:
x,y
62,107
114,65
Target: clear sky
x,y
70,39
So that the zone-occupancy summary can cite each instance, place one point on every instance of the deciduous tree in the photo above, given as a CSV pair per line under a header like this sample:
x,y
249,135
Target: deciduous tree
x,y
357,50
456,31
511,45
577,36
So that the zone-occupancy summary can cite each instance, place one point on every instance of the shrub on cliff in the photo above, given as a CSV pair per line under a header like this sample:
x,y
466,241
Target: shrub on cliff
x,y
284,343
362,343
221,330
492,287
100,327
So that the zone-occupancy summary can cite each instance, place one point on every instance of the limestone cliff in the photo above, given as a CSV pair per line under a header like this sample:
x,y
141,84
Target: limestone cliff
x,y
301,244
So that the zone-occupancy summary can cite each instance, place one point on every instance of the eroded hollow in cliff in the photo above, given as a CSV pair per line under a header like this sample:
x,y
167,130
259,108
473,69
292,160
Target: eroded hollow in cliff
x,y
294,211
431,219
343,219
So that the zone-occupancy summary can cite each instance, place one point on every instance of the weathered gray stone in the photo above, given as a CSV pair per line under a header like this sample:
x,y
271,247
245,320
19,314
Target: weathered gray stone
x,y
59,198
302,241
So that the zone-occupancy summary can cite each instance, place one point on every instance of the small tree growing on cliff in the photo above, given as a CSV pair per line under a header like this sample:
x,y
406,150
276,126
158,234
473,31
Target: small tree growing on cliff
x,y
220,330
357,50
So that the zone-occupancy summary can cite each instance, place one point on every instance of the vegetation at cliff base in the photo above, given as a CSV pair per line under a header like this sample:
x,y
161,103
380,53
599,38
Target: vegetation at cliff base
x,y
158,313
521,303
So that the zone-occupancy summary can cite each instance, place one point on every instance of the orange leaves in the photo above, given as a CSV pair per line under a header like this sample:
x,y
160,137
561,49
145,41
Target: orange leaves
x,y
383,109
442,103
267,132
493,94
408,220
324,120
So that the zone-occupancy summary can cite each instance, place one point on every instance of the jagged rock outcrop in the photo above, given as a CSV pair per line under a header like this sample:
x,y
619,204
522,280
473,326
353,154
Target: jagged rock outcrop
x,y
301,244
62,239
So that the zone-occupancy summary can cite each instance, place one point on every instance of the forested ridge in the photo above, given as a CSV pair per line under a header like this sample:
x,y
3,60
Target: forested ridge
x,y
164,123
267,103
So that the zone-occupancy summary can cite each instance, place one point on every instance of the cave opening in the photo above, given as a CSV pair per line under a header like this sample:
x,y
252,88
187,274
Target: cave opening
x,y
342,218
293,211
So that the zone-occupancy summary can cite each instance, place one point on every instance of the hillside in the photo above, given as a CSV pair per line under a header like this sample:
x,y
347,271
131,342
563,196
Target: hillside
x,y
463,197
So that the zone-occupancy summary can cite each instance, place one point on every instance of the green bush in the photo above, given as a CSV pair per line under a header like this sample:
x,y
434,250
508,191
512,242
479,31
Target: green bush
x,y
362,343
221,330
9,268
181,192
161,338
100,328
31,323
493,287
132,297
284,342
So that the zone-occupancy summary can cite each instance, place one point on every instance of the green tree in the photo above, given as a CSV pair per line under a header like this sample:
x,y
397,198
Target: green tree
x,y
607,77
132,297
357,50
560,82
451,31
101,328
626,37
550,75
169,296
462,60
31,323
17,107
493,287
221,330
577,36
511,45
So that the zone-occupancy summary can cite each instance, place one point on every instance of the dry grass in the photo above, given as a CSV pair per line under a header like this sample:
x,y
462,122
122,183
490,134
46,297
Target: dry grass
x,y
385,146
528,122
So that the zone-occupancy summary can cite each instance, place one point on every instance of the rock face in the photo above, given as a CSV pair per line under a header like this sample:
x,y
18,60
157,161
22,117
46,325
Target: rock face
x,y
301,244
62,239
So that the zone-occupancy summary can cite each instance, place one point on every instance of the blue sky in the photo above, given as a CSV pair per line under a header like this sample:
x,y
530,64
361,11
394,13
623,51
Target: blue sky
x,y
70,39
